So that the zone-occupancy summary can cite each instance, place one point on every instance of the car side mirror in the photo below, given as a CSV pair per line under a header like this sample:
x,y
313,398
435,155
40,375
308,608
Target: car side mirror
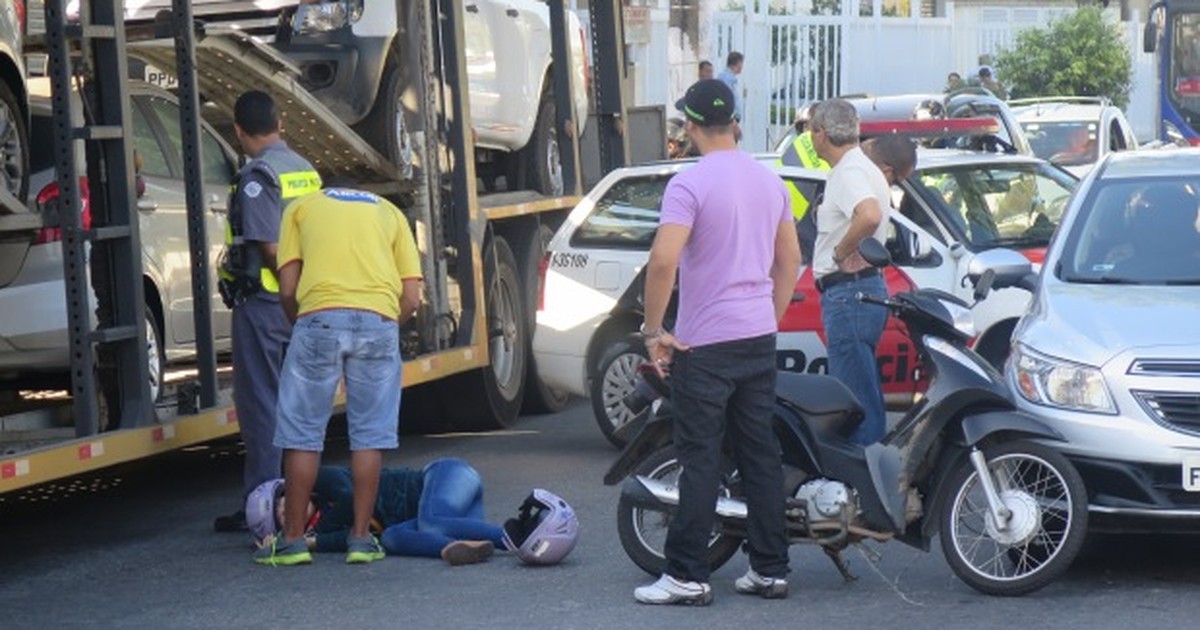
x,y
1007,266
874,252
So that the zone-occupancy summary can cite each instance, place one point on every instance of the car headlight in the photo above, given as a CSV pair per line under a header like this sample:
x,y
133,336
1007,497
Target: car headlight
x,y
322,17
964,320
1053,382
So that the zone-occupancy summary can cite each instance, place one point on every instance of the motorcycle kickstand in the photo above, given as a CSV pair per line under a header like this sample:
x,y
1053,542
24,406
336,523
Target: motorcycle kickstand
x,y
838,561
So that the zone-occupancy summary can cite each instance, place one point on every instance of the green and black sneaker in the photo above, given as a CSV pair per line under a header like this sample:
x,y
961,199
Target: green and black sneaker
x,y
284,554
363,550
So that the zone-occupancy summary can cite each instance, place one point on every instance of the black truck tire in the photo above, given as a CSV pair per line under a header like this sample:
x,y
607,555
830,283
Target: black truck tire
x,y
545,161
490,398
531,248
14,144
387,126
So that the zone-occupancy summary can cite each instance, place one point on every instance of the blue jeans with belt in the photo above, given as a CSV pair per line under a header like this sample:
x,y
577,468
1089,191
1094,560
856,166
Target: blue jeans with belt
x,y
852,330
451,508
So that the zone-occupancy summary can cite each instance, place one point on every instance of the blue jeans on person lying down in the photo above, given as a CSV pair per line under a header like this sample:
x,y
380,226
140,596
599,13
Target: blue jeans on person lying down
x,y
450,509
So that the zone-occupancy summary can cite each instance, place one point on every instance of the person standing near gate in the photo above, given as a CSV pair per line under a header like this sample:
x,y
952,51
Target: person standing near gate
x,y
730,76
726,227
275,176
349,277
856,206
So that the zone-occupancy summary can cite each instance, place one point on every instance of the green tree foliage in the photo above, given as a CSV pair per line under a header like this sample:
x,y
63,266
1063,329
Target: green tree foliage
x,y
1078,55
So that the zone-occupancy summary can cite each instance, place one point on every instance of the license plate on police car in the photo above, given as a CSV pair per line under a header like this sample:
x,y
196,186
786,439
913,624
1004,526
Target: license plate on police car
x,y
156,76
1191,473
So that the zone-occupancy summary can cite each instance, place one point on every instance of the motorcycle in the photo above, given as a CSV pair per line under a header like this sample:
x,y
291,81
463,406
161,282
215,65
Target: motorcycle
x,y
963,462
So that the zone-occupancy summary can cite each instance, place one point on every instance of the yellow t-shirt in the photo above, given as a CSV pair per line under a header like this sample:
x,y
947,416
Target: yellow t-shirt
x,y
356,250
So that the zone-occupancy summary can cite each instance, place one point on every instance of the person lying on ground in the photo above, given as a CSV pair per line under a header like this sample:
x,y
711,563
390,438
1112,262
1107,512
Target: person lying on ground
x,y
433,512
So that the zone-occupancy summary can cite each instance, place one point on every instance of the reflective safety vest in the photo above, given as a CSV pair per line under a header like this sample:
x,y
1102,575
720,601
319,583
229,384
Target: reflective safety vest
x,y
801,153
294,177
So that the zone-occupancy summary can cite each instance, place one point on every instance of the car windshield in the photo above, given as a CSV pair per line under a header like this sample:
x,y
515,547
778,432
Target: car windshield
x,y
1067,143
626,216
1136,232
998,205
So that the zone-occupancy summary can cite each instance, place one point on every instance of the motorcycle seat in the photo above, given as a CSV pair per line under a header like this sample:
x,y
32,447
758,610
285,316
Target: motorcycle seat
x,y
816,394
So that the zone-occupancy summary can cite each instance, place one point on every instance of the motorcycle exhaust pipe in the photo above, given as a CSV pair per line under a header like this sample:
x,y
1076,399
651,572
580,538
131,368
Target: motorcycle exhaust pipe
x,y
650,493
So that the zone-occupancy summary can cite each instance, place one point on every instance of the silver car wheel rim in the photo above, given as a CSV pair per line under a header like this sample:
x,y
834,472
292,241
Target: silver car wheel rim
x,y
617,384
153,362
1041,502
403,142
554,165
10,145
504,338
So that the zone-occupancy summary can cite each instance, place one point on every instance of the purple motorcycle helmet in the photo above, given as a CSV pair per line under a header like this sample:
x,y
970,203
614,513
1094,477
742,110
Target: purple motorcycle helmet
x,y
260,509
544,531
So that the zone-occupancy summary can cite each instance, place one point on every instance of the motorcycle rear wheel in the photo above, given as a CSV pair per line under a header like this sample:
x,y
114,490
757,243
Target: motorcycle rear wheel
x,y
1049,505
643,531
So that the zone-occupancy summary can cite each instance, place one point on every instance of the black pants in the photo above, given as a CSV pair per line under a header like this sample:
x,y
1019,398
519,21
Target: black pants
x,y
726,386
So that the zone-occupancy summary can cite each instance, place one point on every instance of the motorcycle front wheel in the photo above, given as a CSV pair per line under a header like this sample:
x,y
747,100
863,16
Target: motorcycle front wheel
x,y
1048,505
643,531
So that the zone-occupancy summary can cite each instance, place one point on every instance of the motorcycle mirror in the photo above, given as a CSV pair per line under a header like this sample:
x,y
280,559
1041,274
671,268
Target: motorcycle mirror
x,y
874,252
984,285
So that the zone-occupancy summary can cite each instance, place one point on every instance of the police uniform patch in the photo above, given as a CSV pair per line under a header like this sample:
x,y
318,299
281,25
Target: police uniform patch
x,y
253,189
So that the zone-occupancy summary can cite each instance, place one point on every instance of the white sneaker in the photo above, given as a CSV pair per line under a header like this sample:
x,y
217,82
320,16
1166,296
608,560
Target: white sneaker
x,y
768,588
668,590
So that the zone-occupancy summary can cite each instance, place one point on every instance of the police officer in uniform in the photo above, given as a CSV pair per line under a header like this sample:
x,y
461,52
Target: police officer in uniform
x,y
249,286
801,153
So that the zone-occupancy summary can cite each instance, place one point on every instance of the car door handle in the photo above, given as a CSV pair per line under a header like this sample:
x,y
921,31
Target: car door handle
x,y
797,297
512,13
145,204
472,8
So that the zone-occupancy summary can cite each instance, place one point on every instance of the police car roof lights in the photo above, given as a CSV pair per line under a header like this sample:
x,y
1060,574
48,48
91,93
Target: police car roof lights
x,y
932,128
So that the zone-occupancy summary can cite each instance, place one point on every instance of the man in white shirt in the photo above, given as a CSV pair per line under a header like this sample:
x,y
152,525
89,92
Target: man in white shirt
x,y
856,206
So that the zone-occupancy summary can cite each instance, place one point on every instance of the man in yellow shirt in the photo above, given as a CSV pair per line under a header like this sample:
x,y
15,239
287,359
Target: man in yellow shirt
x,y
349,276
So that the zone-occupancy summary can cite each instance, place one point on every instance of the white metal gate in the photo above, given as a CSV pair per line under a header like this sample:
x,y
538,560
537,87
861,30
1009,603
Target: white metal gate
x,y
792,59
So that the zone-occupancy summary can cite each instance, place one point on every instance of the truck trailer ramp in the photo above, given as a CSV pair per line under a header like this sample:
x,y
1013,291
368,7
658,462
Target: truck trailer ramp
x,y
230,62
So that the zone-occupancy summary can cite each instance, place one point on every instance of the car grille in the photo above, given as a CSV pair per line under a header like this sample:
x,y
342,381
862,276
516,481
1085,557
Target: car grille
x,y
1176,410
1165,367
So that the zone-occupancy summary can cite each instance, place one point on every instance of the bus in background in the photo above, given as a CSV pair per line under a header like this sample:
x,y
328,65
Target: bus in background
x,y
1177,43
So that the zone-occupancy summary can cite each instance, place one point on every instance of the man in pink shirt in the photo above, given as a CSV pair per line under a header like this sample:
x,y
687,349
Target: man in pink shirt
x,y
726,226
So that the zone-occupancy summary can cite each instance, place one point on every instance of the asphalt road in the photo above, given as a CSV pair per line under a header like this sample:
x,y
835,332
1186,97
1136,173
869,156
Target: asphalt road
x,y
134,548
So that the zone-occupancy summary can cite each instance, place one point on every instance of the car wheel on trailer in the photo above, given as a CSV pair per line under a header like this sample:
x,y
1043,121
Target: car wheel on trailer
x,y
155,356
156,361
14,144
490,398
387,125
543,152
539,397
614,380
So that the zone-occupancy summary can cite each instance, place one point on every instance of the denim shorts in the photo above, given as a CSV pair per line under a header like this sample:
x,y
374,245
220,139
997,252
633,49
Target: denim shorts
x,y
361,347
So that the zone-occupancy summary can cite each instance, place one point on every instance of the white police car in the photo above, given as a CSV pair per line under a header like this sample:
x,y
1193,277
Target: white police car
x,y
957,204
